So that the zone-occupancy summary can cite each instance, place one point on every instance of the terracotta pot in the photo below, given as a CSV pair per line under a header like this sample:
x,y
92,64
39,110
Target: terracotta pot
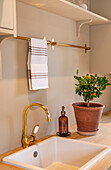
x,y
87,118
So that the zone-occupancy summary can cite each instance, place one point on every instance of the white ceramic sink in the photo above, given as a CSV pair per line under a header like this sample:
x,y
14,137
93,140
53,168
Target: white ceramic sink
x,y
58,153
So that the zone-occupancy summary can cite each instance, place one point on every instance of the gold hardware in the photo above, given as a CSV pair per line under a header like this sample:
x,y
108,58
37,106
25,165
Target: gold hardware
x,y
29,140
57,43
69,45
23,38
29,39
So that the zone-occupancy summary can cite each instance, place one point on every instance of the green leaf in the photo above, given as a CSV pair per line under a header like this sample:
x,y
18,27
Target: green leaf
x,y
103,88
84,77
108,84
76,84
77,72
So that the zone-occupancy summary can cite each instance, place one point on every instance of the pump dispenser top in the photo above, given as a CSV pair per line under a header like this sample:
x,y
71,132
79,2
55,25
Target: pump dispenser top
x,y
63,111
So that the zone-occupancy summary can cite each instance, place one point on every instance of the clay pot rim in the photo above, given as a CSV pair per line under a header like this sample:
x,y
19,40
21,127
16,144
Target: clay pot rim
x,y
97,105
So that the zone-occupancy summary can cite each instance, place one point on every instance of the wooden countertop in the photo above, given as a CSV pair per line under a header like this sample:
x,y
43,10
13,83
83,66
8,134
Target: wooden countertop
x,y
103,137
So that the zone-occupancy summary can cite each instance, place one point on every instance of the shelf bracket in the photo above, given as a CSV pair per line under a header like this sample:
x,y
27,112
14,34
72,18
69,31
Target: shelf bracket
x,y
79,24
2,39
5,37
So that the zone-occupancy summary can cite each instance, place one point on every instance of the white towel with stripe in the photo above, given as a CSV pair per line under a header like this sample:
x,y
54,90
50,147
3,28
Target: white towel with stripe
x,y
37,64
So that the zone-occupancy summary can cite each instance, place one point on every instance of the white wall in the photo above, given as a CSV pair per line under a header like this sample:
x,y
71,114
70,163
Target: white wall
x,y
62,63
100,41
101,7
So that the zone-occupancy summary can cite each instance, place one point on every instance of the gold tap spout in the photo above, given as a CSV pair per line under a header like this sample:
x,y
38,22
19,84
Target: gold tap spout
x,y
28,140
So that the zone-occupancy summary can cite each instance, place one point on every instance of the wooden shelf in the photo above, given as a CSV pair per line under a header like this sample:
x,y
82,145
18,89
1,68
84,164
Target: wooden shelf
x,y
68,10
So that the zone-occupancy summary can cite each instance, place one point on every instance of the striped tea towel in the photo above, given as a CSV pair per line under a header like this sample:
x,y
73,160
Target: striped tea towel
x,y
37,64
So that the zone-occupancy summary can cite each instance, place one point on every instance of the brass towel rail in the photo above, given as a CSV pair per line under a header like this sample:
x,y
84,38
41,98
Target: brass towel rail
x,y
28,39
57,43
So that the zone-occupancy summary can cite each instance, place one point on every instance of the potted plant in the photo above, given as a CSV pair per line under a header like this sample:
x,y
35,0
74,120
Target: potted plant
x,y
88,114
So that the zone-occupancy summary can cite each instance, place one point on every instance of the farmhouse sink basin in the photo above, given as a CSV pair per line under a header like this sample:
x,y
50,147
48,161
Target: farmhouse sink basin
x,y
58,153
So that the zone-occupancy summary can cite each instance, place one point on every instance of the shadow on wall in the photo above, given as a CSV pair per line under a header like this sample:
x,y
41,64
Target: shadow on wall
x,y
1,7
14,57
14,76
7,132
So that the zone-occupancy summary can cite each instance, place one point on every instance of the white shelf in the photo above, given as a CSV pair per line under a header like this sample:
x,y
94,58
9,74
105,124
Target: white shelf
x,y
68,10
7,18
4,31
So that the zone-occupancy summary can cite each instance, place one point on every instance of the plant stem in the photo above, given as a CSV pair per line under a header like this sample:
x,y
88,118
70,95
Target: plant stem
x,y
88,104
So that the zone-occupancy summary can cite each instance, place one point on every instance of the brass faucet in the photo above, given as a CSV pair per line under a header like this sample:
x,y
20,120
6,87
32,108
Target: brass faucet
x,y
30,140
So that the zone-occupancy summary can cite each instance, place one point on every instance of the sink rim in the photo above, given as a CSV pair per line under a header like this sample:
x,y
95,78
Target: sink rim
x,y
86,166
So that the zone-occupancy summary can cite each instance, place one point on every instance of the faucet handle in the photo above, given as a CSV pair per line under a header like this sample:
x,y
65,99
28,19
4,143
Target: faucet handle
x,y
35,130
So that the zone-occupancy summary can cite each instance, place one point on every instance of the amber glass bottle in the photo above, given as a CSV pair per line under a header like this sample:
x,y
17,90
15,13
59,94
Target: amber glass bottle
x,y
63,123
